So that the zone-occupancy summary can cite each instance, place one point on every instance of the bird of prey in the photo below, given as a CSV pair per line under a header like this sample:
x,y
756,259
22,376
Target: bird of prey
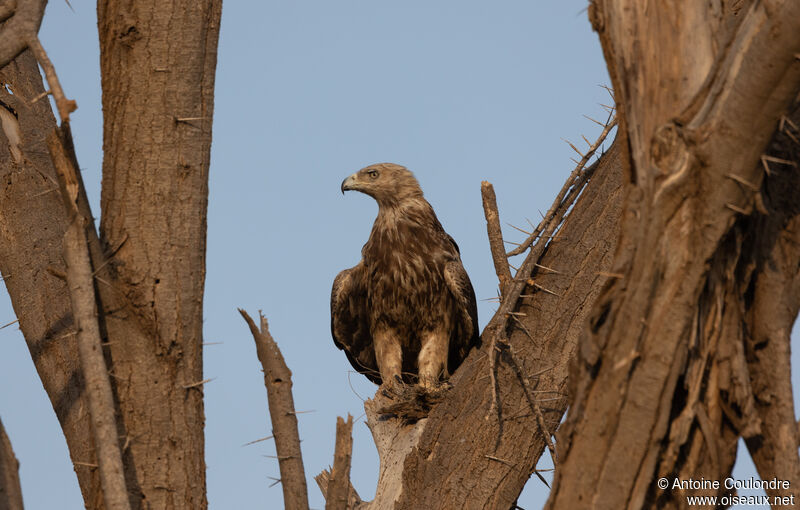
x,y
407,312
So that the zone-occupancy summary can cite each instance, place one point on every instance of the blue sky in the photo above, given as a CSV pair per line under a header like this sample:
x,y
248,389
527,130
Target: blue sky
x,y
308,92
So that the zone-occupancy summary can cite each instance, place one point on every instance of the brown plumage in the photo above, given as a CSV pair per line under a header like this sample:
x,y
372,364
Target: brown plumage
x,y
408,308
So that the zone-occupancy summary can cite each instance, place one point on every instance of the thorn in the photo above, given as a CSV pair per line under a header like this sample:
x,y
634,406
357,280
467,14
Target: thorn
x,y
547,269
513,266
586,140
87,464
188,119
742,181
736,209
258,440
502,461
521,314
609,90
536,472
213,343
45,192
10,323
789,121
517,228
773,159
574,148
198,383
512,242
595,121
303,412
276,482
536,285
40,96
524,329
542,371
793,138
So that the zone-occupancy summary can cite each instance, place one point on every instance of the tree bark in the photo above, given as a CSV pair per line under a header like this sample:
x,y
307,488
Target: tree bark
x,y
278,381
157,62
772,301
662,387
10,490
80,280
33,226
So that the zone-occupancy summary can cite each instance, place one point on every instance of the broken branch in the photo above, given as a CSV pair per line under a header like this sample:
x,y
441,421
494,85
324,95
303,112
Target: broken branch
x,y
278,380
338,492
495,235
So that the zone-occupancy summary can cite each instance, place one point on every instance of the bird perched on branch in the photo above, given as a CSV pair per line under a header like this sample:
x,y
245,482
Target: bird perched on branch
x,y
407,311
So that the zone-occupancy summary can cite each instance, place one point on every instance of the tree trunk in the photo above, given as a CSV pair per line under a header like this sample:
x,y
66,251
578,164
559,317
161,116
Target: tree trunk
x,y
157,62
33,226
664,384
10,491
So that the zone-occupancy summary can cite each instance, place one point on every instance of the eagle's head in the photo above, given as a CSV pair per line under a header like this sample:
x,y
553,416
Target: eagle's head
x,y
387,183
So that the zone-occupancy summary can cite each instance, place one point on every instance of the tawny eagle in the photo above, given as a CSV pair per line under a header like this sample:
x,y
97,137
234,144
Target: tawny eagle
x,y
407,310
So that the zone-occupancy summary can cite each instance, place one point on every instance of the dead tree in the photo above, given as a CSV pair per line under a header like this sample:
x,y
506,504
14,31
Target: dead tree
x,y
668,269
148,258
688,350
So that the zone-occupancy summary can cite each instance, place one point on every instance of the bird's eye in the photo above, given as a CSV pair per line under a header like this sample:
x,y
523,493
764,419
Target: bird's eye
x,y
373,174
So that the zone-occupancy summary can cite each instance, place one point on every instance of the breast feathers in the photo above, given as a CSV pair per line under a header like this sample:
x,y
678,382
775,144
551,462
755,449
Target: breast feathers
x,y
408,309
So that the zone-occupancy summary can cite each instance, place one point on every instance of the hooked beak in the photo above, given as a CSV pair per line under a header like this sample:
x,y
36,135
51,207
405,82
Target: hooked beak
x,y
349,183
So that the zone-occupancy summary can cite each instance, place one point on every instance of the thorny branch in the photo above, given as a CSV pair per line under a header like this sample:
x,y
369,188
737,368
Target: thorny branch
x,y
574,185
511,293
90,351
278,380
19,32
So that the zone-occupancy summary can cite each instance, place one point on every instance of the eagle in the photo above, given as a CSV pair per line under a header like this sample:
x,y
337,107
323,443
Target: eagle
x,y
407,312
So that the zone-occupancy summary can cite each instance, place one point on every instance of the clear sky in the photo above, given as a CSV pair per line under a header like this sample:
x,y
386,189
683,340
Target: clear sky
x,y
308,92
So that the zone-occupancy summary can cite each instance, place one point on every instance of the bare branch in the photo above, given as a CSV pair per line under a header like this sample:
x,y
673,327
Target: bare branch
x,y
20,28
324,478
90,351
278,380
559,203
495,235
338,493
65,106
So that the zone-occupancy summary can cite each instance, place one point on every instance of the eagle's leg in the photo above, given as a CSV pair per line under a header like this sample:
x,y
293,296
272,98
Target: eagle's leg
x,y
432,359
389,356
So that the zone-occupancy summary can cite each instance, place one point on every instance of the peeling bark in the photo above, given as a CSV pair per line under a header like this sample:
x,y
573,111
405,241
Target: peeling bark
x,y
662,387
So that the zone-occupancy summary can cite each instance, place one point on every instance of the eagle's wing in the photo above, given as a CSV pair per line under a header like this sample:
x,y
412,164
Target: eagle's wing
x,y
465,335
349,325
